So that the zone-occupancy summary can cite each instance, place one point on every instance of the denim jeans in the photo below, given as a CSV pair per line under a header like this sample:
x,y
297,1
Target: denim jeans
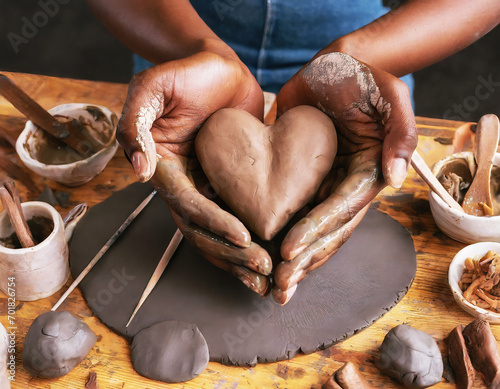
x,y
275,38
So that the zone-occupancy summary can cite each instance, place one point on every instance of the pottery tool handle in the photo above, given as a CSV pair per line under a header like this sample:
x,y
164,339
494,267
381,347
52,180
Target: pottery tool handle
x,y
43,118
12,204
423,170
486,142
105,248
160,268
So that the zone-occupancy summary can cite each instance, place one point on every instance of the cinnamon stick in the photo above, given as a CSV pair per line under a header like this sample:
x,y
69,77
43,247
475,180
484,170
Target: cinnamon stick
x,y
12,203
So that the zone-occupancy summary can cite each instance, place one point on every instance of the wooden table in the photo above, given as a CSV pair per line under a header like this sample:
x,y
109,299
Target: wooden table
x,y
428,306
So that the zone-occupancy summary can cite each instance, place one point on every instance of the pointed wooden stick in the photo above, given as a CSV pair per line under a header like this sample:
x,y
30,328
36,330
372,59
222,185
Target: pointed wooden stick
x,y
105,248
423,170
160,268
12,204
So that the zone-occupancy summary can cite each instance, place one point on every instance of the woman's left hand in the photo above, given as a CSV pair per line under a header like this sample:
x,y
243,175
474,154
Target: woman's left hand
x,y
376,131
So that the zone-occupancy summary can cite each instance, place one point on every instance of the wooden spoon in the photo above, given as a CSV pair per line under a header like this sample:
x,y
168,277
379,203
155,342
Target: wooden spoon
x,y
65,129
477,200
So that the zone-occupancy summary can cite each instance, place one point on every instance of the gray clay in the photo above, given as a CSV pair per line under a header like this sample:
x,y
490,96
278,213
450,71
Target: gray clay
x,y
56,342
411,356
170,351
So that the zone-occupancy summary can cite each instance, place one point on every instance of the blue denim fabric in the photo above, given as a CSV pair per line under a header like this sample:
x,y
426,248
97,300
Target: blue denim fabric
x,y
275,38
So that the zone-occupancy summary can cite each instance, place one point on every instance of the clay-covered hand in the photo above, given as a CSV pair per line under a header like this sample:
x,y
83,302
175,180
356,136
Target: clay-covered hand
x,y
377,135
165,107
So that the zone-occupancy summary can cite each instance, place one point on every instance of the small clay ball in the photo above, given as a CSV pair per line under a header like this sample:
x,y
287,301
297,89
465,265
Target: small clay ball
x,y
170,351
411,356
56,342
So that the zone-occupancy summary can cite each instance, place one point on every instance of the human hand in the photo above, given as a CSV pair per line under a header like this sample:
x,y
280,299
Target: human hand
x,y
377,135
165,107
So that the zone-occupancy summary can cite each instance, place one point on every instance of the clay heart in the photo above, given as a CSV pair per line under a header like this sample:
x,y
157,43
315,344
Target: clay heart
x,y
266,173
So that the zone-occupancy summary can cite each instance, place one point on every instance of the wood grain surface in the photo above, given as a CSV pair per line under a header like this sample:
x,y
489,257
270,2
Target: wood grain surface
x,y
428,306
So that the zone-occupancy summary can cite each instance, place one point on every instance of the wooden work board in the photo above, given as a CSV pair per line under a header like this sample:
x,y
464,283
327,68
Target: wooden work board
x,y
428,306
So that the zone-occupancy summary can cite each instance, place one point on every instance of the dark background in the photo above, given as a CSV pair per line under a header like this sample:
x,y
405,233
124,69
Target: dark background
x,y
72,43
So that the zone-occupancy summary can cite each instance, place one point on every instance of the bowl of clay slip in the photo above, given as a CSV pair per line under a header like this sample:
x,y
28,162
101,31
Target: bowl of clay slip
x,y
36,272
52,159
455,272
459,225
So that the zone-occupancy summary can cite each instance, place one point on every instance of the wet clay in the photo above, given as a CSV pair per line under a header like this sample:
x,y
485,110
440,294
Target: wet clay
x,y
94,126
459,360
365,279
266,173
411,356
170,351
40,228
483,351
55,343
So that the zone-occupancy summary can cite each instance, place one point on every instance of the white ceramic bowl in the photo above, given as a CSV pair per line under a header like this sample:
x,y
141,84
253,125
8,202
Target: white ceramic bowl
x,y
71,174
461,226
456,270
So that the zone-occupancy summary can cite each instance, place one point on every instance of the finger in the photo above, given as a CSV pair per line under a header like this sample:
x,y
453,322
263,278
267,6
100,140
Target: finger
x,y
401,132
144,104
289,273
362,183
254,281
181,195
253,257
283,297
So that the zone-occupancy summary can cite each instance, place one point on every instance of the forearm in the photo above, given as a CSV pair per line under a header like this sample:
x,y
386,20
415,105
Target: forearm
x,y
419,33
158,30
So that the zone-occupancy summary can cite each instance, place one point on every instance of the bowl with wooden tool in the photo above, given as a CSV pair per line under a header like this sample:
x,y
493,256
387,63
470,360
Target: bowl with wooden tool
x,y
473,180
474,279
70,144
53,159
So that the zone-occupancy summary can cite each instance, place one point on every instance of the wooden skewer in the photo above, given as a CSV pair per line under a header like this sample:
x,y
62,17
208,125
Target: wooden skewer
x,y
66,130
423,170
104,249
160,268
12,204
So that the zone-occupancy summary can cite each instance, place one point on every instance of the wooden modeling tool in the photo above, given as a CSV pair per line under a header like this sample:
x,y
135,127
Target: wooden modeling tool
x,y
65,129
12,203
160,268
477,200
423,170
105,248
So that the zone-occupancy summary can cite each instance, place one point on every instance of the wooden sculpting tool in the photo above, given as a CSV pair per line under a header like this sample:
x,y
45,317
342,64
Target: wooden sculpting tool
x,y
423,170
67,130
160,268
12,204
477,200
105,248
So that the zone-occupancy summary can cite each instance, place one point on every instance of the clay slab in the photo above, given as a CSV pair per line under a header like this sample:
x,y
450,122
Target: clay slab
x,y
364,280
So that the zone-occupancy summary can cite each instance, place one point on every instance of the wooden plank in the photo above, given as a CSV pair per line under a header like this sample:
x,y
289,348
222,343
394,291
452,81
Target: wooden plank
x,y
428,306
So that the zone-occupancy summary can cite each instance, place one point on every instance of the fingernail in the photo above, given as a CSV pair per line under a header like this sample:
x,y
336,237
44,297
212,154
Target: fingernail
x,y
288,294
141,166
397,172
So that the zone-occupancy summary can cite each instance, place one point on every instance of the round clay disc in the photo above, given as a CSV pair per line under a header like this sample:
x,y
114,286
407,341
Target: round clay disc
x,y
362,282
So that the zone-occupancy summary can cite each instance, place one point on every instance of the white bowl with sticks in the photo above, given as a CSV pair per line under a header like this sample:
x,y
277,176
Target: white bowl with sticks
x,y
455,273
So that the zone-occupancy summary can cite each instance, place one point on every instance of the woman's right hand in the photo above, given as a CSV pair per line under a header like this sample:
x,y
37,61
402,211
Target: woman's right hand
x,y
165,107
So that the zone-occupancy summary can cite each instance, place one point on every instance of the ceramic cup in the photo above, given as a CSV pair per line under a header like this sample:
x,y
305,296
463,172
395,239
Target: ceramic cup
x,y
37,271
71,174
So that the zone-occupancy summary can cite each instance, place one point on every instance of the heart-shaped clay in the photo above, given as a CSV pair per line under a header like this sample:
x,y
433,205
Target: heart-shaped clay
x,y
266,173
